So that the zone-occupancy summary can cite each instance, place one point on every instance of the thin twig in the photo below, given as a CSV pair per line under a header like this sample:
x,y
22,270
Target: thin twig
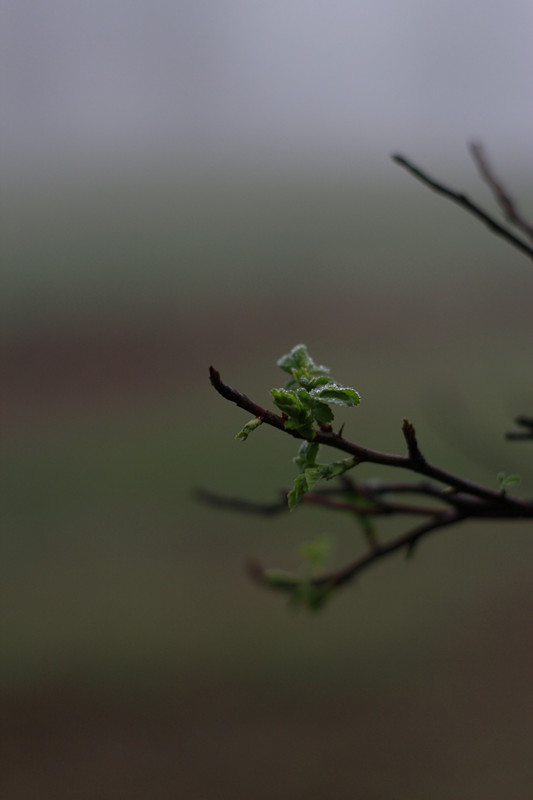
x,y
238,504
502,196
468,205
525,422
345,574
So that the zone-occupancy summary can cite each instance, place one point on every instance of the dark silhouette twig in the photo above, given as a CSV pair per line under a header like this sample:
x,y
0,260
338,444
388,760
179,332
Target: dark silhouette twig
x,y
462,200
501,194
525,422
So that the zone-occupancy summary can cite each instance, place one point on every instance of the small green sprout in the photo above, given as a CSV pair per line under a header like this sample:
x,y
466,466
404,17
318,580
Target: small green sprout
x,y
305,403
507,480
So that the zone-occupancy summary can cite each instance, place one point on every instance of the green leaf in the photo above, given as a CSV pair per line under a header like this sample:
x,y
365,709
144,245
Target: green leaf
x,y
305,401
317,552
298,491
280,578
300,418
299,364
307,455
299,359
337,468
314,474
296,359
305,398
507,480
304,482
310,596
333,393
248,428
322,412
303,593
312,383
288,402
304,427
311,472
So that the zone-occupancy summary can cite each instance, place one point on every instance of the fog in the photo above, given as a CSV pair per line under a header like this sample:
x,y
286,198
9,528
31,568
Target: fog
x,y
82,83
206,182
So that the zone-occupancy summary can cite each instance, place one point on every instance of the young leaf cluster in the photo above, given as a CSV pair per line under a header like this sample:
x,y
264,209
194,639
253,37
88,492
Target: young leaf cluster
x,y
311,472
302,591
305,398
305,402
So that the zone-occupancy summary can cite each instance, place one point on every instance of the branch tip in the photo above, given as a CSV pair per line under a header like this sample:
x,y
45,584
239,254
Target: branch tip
x,y
255,570
214,377
408,430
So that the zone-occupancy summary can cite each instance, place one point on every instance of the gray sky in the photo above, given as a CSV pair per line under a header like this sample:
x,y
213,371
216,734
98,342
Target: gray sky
x,y
281,79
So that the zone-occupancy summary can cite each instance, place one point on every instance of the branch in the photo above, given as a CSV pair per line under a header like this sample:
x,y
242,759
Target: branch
x,y
414,461
462,200
238,504
458,498
501,195
337,578
446,499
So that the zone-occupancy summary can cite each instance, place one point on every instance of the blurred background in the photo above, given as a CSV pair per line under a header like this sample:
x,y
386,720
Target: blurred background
x,y
197,183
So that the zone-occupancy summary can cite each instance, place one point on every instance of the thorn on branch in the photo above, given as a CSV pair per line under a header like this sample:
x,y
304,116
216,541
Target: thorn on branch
x,y
413,449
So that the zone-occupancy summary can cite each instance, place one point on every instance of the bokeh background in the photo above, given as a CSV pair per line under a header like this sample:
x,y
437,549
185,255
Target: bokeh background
x,y
191,183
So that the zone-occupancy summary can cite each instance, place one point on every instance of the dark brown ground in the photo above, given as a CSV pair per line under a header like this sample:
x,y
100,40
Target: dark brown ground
x,y
458,729
67,371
